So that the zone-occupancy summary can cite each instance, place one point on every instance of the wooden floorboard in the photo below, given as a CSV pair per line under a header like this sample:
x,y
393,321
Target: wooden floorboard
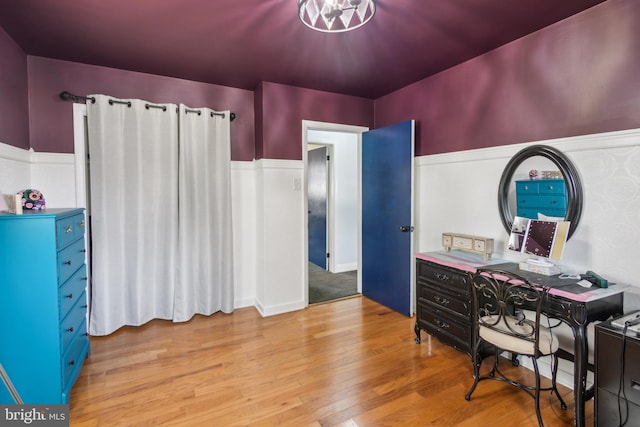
x,y
348,363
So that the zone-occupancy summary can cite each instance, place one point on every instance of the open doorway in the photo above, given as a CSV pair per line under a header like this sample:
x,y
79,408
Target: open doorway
x,y
331,158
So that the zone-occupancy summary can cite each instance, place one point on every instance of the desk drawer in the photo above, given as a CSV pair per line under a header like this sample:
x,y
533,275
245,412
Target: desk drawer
x,y
70,260
452,281
443,300
441,320
445,327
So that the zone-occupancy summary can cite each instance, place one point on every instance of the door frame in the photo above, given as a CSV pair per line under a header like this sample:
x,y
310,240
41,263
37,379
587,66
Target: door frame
x,y
308,125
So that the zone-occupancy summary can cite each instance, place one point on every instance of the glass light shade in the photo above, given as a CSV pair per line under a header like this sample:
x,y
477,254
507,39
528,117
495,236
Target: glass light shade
x,y
335,16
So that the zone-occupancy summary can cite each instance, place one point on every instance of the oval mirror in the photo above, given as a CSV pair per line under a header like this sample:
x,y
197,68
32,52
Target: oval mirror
x,y
567,169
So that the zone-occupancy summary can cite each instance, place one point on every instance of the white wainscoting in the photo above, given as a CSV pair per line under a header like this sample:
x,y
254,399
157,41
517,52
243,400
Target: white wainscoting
x,y
281,253
243,199
15,171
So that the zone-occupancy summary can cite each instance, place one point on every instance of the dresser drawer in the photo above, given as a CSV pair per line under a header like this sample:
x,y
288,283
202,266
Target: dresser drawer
x,y
70,260
64,231
546,201
75,353
532,213
436,297
552,187
71,324
445,327
78,226
71,290
527,187
544,186
443,278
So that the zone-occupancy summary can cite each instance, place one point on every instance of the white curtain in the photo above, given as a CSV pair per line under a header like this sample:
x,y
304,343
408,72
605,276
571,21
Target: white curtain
x,y
204,280
149,259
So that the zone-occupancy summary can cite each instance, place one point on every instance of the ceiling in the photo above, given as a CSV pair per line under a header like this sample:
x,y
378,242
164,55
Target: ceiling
x,y
240,43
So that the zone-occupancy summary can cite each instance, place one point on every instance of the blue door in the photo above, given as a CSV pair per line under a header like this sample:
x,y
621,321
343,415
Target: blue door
x,y
317,204
387,196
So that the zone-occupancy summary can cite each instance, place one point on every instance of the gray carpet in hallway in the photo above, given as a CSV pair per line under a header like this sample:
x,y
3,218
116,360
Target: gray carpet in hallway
x,y
325,286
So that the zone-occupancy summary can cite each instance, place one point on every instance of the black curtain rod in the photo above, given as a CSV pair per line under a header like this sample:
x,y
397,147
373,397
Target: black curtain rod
x,y
68,96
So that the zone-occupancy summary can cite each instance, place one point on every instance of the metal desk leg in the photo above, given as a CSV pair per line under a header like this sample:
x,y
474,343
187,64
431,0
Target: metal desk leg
x,y
580,372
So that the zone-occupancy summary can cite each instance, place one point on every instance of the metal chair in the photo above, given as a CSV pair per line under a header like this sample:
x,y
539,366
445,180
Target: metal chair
x,y
499,297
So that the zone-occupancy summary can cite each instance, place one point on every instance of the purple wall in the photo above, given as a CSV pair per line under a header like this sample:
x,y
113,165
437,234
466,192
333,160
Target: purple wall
x,y
282,108
14,101
51,118
576,77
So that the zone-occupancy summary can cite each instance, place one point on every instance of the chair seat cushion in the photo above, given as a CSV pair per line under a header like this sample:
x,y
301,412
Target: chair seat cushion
x,y
503,338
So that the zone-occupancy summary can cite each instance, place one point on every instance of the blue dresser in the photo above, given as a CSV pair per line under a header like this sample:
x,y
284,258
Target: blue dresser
x,y
545,196
43,303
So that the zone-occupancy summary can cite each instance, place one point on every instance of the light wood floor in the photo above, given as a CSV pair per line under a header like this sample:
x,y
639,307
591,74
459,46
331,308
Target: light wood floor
x,y
347,363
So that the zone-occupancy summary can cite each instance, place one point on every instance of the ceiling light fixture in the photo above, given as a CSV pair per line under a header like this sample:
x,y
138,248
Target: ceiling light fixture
x,y
335,16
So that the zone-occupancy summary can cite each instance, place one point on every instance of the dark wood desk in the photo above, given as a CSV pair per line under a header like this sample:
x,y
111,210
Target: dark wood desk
x,y
437,273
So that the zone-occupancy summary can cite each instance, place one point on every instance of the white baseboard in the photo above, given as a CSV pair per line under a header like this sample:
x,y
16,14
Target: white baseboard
x,y
273,310
343,268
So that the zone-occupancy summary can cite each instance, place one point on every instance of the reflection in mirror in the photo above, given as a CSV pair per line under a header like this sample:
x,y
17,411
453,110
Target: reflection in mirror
x,y
539,158
522,174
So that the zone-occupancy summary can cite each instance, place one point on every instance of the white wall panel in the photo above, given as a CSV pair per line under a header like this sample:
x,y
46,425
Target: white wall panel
x,y
54,175
15,171
243,198
280,236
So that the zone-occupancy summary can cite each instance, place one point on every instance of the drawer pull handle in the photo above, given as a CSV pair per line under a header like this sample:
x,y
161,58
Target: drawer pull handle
x,y
82,224
71,363
442,300
85,278
442,324
442,276
69,230
67,262
84,306
70,329
70,296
